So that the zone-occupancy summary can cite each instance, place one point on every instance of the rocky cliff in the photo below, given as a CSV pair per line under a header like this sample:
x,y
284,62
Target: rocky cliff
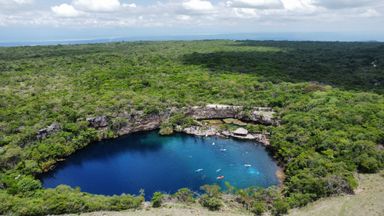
x,y
139,121
260,115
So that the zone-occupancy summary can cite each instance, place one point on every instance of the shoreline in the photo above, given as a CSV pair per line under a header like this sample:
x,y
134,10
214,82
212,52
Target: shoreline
x,y
279,173
141,123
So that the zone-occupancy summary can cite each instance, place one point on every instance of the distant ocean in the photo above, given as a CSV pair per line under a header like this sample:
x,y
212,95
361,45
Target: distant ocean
x,y
315,36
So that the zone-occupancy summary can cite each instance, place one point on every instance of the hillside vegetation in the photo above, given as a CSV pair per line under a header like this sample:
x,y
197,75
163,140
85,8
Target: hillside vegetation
x,y
328,95
368,200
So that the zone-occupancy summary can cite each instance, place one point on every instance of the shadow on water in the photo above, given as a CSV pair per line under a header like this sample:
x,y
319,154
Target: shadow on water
x,y
139,142
347,66
111,148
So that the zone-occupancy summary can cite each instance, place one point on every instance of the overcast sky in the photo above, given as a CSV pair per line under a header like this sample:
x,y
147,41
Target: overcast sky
x,y
84,19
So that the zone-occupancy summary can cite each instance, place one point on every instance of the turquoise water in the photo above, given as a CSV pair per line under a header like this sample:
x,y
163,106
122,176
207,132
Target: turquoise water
x,y
152,162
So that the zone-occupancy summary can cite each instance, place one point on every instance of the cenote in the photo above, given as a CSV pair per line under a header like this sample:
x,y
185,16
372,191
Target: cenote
x,y
148,161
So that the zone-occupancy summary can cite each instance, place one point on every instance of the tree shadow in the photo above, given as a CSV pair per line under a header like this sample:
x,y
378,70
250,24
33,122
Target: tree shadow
x,y
351,66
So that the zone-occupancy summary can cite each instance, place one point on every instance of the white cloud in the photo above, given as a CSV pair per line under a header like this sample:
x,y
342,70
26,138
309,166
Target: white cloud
x,y
259,4
340,4
10,3
80,7
65,10
370,13
131,5
183,17
224,15
297,4
198,5
97,5
299,7
246,13
22,1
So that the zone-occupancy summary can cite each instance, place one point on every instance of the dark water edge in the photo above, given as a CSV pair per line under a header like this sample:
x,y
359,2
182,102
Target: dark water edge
x,y
146,160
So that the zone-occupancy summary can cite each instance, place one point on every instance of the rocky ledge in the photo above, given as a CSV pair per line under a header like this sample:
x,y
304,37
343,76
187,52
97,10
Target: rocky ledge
x,y
260,115
262,138
125,123
53,128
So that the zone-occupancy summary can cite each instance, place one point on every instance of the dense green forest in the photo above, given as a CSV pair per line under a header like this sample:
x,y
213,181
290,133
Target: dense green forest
x,y
328,95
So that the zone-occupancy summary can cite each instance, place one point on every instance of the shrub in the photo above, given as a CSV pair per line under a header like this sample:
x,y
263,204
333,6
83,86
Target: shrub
x,y
27,184
280,207
258,208
299,199
184,195
368,164
157,199
212,203
17,183
211,198
6,202
182,120
211,190
166,129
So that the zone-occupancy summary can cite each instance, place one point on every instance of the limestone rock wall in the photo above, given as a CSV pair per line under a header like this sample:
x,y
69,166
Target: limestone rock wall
x,y
139,121
262,115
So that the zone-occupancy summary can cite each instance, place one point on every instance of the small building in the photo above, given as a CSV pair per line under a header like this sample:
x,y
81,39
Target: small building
x,y
241,132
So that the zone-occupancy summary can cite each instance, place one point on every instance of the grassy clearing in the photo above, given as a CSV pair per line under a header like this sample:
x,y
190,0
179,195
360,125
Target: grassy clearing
x,y
368,201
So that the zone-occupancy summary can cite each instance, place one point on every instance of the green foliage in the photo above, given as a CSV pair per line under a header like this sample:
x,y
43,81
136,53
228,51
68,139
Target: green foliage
x,y
258,200
212,197
157,199
258,208
368,164
328,95
212,203
166,129
181,120
280,207
20,184
212,190
64,200
229,187
184,195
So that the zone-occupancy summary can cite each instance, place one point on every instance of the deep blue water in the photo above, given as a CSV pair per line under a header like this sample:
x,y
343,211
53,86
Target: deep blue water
x,y
152,162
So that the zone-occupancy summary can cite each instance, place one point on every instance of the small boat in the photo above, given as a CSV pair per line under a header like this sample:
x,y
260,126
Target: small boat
x,y
218,170
247,165
223,149
219,177
213,143
198,170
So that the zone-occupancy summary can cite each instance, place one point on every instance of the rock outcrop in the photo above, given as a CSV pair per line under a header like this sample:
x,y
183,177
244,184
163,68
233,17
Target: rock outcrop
x,y
125,123
241,132
98,122
200,131
262,115
213,111
138,121
214,131
53,128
